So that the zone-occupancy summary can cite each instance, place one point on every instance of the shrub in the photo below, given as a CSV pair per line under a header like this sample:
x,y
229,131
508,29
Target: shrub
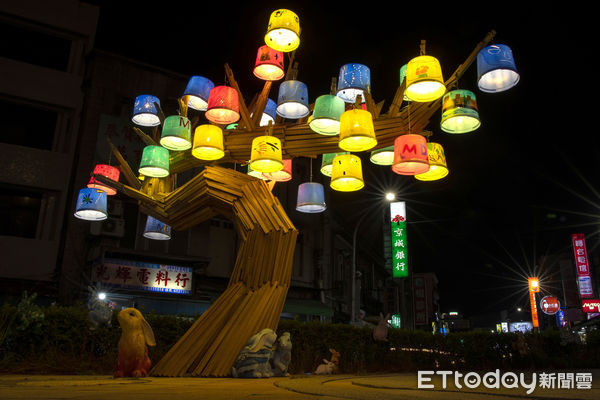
x,y
57,339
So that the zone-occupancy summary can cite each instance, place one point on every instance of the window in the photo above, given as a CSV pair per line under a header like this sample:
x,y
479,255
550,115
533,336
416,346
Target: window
x,y
25,125
19,212
34,47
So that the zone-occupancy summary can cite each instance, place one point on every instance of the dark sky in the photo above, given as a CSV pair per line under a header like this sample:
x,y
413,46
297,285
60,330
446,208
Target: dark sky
x,y
516,188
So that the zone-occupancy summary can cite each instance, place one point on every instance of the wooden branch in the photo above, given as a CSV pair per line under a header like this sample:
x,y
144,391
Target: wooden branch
x,y
261,103
245,114
125,168
148,141
467,63
398,99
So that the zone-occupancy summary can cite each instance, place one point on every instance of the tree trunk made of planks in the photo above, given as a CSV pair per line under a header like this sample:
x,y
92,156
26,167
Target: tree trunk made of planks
x,y
260,279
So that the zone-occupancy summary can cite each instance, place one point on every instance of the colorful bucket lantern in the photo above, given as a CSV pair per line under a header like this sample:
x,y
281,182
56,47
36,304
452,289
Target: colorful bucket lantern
x,y
354,79
410,155
269,64
292,101
266,154
383,156
326,115
156,230
459,112
256,174
155,162
424,81
311,198
144,110
357,132
496,70
283,175
231,126
197,91
269,113
346,173
283,32
108,171
176,133
437,163
223,105
208,142
402,78
327,162
91,205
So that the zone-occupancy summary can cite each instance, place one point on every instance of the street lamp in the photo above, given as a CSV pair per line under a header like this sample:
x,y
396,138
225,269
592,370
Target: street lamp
x,y
389,197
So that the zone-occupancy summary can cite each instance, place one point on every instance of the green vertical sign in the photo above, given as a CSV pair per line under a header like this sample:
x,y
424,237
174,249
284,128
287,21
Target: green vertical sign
x,y
399,247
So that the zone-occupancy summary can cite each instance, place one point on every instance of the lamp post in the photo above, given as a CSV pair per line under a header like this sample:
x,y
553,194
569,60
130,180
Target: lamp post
x,y
389,197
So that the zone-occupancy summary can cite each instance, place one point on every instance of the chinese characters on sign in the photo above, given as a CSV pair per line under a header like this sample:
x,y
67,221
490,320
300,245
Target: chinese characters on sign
x,y
399,248
584,279
120,132
144,276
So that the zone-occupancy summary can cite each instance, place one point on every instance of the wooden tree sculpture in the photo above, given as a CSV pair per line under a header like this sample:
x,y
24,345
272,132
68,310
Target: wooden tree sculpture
x,y
260,280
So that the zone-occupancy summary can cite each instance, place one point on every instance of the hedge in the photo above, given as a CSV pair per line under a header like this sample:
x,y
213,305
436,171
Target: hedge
x,y
57,339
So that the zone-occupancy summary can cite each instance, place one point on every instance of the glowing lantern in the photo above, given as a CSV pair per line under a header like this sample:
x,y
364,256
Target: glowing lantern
x,y
424,80
292,101
269,113
223,105
197,91
326,115
208,142
283,175
496,70
354,79
283,32
107,171
410,155
459,112
91,205
231,126
346,173
269,64
437,163
327,162
383,156
155,162
256,174
402,77
357,132
266,154
156,230
144,110
311,198
176,133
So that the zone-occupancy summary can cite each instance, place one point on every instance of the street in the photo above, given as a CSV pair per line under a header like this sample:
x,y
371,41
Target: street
x,y
389,386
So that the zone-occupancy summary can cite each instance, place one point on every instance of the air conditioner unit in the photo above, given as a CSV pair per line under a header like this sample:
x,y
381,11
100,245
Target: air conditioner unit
x,y
114,227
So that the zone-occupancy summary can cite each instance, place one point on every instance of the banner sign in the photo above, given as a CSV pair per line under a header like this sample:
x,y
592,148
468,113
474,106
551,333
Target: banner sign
x,y
150,277
591,306
399,248
584,279
550,305
420,301
534,313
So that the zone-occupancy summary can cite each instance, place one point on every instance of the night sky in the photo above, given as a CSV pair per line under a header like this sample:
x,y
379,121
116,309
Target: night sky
x,y
518,186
